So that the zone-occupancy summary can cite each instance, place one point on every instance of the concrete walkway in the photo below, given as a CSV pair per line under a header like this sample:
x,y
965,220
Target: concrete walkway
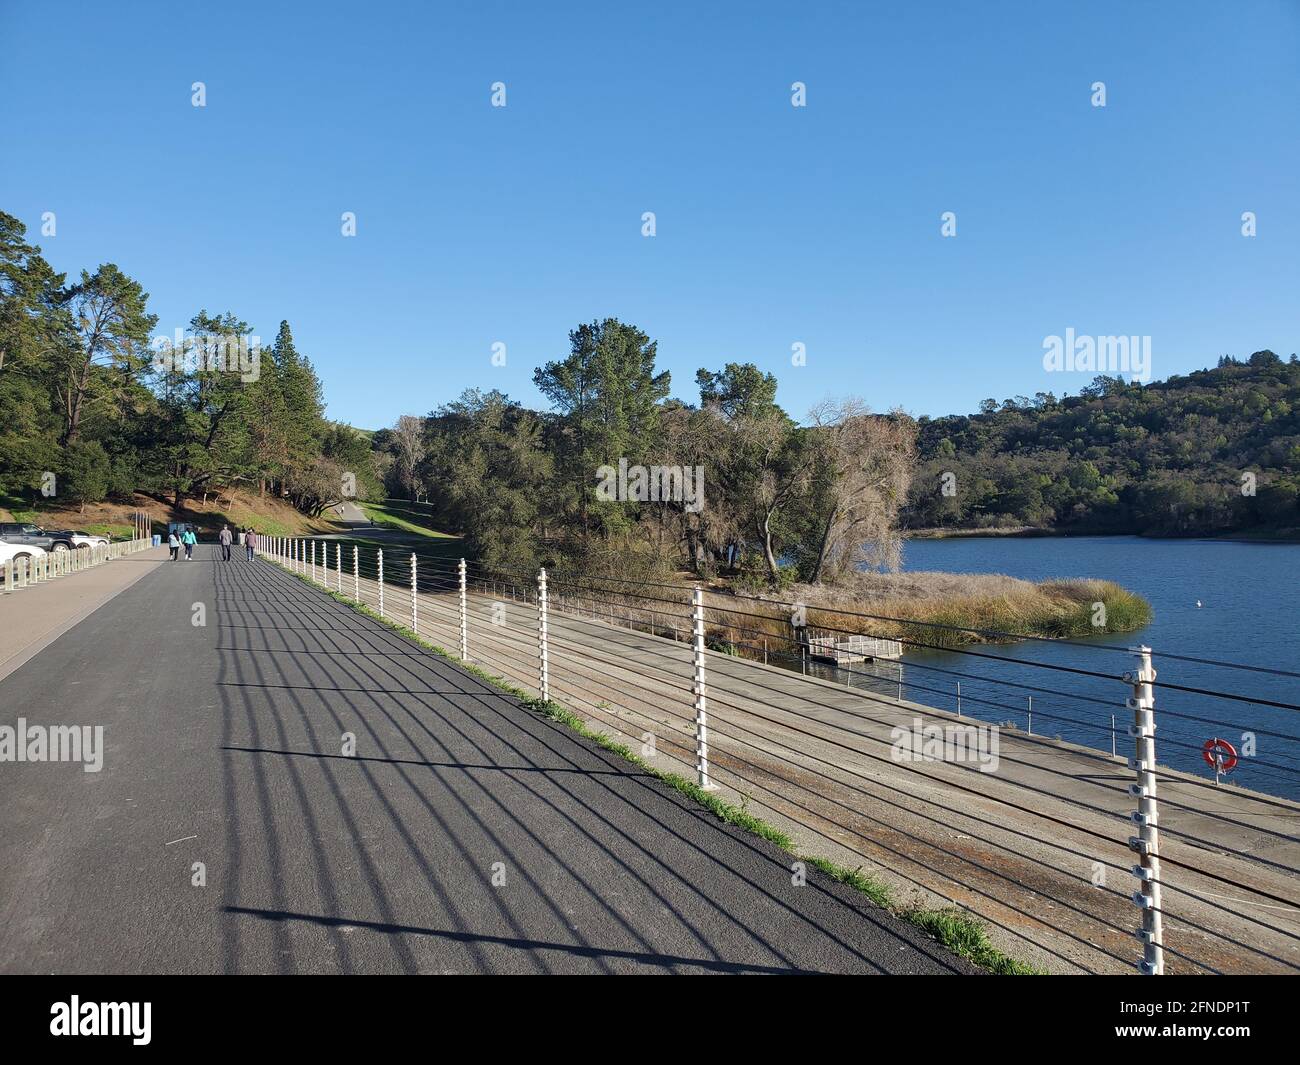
x,y
34,617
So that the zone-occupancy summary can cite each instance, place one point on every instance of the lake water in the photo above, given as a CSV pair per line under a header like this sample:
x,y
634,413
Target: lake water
x,y
1249,614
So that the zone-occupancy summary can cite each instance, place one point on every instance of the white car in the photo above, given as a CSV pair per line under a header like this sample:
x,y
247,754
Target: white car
x,y
81,539
17,551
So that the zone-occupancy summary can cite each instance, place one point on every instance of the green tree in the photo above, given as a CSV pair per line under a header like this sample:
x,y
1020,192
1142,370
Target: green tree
x,y
86,472
33,321
606,393
109,350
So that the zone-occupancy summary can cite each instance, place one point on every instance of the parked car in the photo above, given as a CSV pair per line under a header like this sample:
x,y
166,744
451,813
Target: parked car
x,y
25,534
85,539
16,551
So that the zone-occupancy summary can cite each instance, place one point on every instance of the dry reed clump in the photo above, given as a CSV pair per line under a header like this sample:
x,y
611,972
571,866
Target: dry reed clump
x,y
933,608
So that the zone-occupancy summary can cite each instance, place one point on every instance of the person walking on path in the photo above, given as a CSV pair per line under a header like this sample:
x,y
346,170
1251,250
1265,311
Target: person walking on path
x,y
225,539
174,543
250,543
189,540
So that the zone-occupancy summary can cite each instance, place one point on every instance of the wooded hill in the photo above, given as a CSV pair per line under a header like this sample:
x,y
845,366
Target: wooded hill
x,y
93,406
1213,452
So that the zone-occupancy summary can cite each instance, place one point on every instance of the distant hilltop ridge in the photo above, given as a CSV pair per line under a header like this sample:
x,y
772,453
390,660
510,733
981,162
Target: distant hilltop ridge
x,y
1214,452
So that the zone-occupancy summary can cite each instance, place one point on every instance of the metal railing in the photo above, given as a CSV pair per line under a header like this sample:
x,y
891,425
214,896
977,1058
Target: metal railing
x,y
1074,858
28,570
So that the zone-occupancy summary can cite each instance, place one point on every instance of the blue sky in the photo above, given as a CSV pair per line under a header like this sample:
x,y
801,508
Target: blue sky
x,y
776,225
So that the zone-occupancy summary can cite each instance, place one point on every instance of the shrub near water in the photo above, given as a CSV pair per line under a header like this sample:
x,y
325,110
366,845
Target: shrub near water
x,y
993,602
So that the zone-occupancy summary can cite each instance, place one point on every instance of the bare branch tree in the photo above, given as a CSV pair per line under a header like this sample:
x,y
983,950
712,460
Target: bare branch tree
x,y
863,466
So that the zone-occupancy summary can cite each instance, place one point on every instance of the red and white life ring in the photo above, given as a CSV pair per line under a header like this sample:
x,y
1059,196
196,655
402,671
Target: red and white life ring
x,y
1219,755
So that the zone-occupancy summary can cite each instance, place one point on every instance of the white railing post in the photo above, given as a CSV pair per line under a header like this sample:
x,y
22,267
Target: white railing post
x,y
701,700
543,652
464,616
356,574
1146,817
415,618
338,568
380,553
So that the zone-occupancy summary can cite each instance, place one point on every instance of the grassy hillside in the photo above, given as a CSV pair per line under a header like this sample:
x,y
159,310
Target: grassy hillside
x,y
410,525
402,515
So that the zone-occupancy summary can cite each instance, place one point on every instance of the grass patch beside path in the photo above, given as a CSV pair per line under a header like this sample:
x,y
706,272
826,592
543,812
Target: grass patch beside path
x,y
965,936
955,929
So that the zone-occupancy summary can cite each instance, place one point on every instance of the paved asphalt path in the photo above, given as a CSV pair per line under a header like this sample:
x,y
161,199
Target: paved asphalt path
x,y
223,745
